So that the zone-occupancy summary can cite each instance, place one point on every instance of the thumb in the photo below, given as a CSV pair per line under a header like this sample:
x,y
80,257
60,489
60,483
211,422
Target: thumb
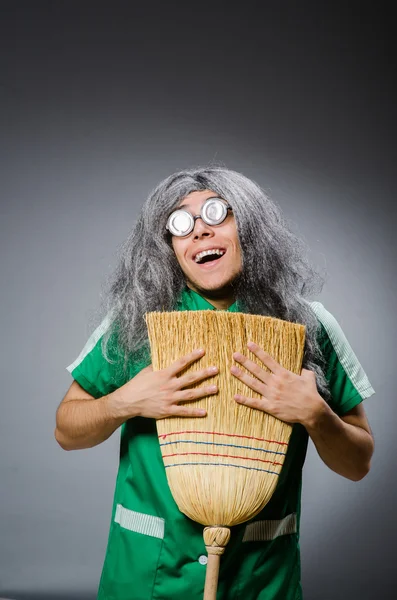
x,y
146,370
308,375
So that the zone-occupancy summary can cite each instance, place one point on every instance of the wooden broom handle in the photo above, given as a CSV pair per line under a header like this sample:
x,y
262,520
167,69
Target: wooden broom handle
x,y
212,573
215,539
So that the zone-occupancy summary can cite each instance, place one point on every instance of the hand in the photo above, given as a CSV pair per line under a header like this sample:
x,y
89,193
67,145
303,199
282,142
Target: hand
x,y
156,394
285,395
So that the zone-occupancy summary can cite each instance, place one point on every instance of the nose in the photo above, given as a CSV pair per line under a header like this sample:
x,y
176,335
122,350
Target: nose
x,y
201,229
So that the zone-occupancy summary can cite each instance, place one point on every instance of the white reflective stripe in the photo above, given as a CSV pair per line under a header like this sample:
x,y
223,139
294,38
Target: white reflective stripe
x,y
344,351
264,531
92,342
139,522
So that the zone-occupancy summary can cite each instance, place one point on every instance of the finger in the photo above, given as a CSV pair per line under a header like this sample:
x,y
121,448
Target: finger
x,y
251,366
258,403
195,377
195,393
251,382
264,357
183,362
186,411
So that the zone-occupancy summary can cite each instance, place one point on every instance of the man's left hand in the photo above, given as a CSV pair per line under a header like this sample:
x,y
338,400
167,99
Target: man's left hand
x,y
285,395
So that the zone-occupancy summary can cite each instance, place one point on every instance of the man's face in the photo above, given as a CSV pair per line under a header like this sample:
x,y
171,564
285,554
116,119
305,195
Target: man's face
x,y
204,275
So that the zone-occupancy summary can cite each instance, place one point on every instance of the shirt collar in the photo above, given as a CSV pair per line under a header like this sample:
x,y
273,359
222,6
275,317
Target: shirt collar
x,y
190,300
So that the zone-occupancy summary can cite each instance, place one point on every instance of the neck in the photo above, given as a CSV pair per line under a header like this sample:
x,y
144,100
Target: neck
x,y
220,299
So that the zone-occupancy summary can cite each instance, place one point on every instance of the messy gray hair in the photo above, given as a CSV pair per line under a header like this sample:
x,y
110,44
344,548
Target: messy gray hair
x,y
276,278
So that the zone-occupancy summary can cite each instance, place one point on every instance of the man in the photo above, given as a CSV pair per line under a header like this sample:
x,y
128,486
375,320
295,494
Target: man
x,y
210,239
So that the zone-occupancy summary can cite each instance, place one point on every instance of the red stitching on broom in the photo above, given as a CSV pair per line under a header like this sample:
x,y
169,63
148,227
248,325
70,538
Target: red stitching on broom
x,y
247,437
223,455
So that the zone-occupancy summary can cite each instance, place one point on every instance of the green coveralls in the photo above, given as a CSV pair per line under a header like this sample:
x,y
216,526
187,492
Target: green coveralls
x,y
154,551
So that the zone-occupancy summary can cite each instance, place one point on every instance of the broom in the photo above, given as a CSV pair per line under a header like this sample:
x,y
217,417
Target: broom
x,y
222,469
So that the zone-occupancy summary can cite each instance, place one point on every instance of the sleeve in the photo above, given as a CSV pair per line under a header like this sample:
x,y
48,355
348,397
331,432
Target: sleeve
x,y
348,383
93,371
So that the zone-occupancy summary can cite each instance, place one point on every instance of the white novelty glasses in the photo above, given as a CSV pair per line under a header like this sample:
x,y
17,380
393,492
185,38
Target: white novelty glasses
x,y
213,212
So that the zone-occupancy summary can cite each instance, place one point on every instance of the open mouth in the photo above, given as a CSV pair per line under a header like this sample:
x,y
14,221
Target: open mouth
x,y
207,257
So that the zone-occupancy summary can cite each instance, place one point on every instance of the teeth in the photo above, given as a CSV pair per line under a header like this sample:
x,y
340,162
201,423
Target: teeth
x,y
201,255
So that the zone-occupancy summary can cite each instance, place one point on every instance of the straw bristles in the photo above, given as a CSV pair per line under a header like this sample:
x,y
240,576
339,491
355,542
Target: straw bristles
x,y
222,469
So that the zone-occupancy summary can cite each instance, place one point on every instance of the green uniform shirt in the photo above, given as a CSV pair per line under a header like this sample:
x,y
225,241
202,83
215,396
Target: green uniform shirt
x,y
154,551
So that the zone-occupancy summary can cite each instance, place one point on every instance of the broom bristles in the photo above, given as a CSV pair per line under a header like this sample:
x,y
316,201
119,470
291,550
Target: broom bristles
x,y
223,468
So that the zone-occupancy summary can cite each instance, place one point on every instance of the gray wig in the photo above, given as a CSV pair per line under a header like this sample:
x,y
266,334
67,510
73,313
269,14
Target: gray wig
x,y
276,278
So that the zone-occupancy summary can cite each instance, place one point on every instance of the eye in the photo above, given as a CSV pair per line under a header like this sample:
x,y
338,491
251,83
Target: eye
x,y
180,222
214,211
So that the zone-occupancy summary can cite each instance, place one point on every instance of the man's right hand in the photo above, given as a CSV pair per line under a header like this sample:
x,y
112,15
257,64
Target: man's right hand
x,y
157,394
83,421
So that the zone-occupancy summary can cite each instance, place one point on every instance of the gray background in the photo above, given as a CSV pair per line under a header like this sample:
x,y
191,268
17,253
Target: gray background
x,y
98,103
